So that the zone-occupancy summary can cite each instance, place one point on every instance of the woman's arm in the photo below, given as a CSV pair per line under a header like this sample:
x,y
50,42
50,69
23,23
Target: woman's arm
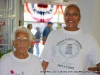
x,y
44,65
95,69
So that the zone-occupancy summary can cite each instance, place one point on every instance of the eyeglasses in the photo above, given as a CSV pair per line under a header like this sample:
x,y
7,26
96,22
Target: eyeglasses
x,y
73,14
19,40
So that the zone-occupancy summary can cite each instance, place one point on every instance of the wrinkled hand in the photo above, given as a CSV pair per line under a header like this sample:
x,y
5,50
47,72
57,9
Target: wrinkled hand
x,y
94,69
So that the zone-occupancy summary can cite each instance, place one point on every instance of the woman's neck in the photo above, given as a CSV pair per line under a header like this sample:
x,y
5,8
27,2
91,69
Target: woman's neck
x,y
71,29
20,55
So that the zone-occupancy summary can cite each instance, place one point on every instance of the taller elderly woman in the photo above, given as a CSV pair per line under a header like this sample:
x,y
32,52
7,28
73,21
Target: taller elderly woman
x,y
74,51
20,62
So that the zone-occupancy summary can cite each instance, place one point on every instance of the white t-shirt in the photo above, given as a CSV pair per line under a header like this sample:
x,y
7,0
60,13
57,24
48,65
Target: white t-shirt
x,y
70,52
10,65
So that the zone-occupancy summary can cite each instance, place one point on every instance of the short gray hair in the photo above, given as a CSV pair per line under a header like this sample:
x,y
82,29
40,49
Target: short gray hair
x,y
24,29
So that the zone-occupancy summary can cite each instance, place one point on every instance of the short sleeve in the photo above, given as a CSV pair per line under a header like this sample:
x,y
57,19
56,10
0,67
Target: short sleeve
x,y
48,48
3,68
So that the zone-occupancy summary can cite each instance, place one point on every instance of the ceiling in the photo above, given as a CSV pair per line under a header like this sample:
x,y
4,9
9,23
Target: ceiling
x,y
56,2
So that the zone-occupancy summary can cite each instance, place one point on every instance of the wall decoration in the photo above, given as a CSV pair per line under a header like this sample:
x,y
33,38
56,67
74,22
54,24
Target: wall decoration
x,y
41,12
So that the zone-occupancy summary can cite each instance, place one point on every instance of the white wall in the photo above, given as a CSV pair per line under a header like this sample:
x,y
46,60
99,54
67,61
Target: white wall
x,y
86,8
90,20
96,20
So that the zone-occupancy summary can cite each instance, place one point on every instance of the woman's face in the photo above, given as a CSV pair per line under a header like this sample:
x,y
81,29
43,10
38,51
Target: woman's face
x,y
72,18
22,42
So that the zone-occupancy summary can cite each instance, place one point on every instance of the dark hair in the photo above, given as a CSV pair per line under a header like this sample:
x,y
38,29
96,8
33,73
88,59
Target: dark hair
x,y
74,6
28,25
50,23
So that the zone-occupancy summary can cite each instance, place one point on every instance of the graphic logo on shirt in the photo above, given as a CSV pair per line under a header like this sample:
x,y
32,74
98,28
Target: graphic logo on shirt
x,y
11,71
69,48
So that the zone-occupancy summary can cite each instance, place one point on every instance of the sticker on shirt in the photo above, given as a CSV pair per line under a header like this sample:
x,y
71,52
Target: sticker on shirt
x,y
68,49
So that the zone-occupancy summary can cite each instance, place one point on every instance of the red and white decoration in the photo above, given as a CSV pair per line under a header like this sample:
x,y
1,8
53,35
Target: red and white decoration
x,y
41,12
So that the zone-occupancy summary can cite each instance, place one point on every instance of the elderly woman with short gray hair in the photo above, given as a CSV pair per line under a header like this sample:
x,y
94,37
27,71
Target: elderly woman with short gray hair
x,y
20,62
